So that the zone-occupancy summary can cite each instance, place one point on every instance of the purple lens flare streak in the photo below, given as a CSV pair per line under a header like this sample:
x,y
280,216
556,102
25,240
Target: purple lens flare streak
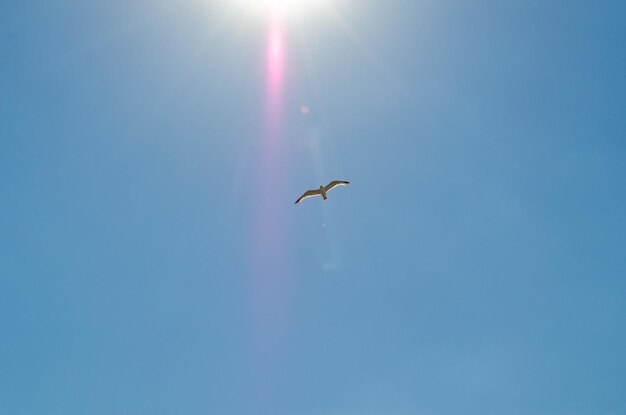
x,y
269,274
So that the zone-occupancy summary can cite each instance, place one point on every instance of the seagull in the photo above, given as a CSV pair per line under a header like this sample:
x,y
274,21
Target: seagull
x,y
322,190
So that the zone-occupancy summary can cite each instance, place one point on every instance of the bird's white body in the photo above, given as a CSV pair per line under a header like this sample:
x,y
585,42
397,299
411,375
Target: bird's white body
x,y
323,192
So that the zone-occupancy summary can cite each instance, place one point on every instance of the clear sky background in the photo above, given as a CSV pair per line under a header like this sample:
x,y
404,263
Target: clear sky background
x,y
476,265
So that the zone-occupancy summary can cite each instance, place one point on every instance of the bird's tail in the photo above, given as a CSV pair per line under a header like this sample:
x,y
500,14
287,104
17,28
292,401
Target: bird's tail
x,y
325,197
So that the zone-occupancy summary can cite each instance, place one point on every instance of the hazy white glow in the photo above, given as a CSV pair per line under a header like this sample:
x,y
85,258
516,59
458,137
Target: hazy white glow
x,y
281,7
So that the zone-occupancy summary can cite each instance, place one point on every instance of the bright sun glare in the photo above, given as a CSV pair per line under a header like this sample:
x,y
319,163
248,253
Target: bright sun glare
x,y
282,7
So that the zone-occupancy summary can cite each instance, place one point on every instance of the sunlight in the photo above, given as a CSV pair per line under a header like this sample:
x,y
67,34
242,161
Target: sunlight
x,y
282,7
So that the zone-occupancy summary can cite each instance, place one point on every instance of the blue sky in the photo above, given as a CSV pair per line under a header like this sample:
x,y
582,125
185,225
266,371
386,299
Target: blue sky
x,y
475,265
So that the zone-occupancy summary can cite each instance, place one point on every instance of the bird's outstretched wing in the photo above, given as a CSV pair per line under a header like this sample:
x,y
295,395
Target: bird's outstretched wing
x,y
336,183
307,194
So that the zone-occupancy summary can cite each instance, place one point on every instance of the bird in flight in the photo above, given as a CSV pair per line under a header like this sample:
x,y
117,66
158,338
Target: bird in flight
x,y
322,190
